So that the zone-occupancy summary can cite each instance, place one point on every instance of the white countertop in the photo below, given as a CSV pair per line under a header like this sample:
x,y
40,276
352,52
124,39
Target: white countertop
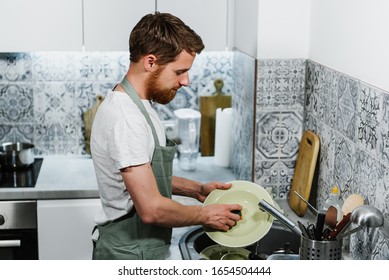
x,y
72,177
60,177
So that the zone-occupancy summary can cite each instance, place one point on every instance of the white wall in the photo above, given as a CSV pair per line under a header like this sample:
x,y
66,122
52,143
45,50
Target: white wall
x,y
283,28
352,36
246,26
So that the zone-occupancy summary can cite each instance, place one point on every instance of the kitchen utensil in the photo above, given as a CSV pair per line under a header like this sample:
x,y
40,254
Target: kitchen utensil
x,y
311,231
309,205
16,155
340,227
264,205
208,106
352,202
331,217
303,229
320,225
88,117
364,216
254,223
304,171
367,216
320,219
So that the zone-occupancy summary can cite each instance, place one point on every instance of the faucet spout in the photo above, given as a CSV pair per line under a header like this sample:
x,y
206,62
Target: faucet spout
x,y
265,206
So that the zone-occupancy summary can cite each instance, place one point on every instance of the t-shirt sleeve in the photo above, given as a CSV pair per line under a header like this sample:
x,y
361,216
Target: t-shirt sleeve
x,y
129,143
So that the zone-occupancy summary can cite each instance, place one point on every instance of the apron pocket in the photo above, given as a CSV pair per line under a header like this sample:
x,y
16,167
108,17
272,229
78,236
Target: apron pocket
x,y
157,253
128,252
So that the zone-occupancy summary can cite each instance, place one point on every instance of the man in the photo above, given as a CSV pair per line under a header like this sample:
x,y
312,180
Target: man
x,y
133,158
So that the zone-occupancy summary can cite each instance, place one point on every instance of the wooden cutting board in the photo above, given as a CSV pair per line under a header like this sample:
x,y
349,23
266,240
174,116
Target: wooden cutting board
x,y
88,117
304,172
208,106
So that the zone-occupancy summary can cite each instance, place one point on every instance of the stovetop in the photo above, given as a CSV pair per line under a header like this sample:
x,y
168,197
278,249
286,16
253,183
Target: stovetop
x,y
21,178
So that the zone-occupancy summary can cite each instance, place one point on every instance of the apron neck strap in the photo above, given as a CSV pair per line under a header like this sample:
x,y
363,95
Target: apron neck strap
x,y
129,89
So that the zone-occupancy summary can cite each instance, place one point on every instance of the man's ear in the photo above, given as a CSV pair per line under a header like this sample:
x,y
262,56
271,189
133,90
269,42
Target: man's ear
x,y
149,61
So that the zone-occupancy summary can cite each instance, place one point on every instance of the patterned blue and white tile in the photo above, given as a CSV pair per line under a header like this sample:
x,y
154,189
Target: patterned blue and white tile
x,y
369,118
86,93
17,133
16,103
15,67
346,122
281,83
348,90
102,66
54,66
383,129
243,109
368,177
344,165
59,139
54,103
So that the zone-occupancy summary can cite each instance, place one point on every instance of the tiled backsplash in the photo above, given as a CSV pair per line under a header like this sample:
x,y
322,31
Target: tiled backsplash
x,y
279,115
352,121
243,113
44,94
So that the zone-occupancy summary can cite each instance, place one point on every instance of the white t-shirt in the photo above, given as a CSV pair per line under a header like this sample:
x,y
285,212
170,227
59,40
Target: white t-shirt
x,y
121,137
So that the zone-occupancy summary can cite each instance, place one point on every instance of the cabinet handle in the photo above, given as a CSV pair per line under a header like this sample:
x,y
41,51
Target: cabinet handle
x,y
9,243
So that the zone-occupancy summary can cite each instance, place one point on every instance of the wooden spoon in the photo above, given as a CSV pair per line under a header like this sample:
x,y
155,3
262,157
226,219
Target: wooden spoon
x,y
352,202
331,217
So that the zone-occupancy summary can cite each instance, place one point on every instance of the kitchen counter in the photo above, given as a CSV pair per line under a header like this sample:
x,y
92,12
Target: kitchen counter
x,y
60,177
73,177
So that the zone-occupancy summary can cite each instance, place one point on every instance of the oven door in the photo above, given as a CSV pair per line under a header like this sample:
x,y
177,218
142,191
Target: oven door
x,y
20,244
18,230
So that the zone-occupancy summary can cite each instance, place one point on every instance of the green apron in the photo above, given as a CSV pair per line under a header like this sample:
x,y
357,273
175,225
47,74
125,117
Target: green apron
x,y
128,238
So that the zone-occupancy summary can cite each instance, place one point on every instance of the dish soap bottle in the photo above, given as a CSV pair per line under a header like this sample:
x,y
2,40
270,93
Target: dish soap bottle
x,y
334,199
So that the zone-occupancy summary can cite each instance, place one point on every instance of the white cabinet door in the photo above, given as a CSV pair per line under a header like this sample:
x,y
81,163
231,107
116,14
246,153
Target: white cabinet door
x,y
208,18
40,25
107,24
65,228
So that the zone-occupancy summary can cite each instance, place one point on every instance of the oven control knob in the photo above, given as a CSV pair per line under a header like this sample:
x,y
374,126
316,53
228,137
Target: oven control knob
x,y
2,220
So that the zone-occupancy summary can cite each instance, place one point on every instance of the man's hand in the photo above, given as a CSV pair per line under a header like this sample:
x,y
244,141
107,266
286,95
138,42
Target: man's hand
x,y
206,189
221,216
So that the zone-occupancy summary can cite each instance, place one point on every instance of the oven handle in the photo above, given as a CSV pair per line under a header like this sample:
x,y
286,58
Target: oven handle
x,y
9,243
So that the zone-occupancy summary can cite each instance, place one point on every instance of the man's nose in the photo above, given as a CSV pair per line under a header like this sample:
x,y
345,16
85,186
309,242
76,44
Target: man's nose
x,y
184,79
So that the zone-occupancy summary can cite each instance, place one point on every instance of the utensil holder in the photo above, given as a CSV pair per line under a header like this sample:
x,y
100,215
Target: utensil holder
x,y
320,250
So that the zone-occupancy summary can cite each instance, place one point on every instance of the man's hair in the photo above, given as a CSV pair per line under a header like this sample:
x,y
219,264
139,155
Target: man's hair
x,y
164,36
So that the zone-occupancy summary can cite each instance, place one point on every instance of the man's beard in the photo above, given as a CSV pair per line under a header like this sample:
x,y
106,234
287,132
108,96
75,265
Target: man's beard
x,y
154,91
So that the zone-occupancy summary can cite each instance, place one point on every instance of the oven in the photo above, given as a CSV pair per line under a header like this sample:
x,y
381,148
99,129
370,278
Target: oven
x,y
18,230
18,219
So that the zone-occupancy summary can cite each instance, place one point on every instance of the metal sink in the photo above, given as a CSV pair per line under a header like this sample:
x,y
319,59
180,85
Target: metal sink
x,y
279,239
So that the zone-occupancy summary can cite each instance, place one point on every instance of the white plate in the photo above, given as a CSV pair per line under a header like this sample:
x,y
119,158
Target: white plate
x,y
254,223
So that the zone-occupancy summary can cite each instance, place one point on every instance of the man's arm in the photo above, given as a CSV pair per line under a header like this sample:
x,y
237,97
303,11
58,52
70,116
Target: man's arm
x,y
197,190
153,208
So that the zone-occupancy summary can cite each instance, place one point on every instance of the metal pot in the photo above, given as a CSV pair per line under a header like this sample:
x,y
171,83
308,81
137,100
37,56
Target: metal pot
x,y
16,155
